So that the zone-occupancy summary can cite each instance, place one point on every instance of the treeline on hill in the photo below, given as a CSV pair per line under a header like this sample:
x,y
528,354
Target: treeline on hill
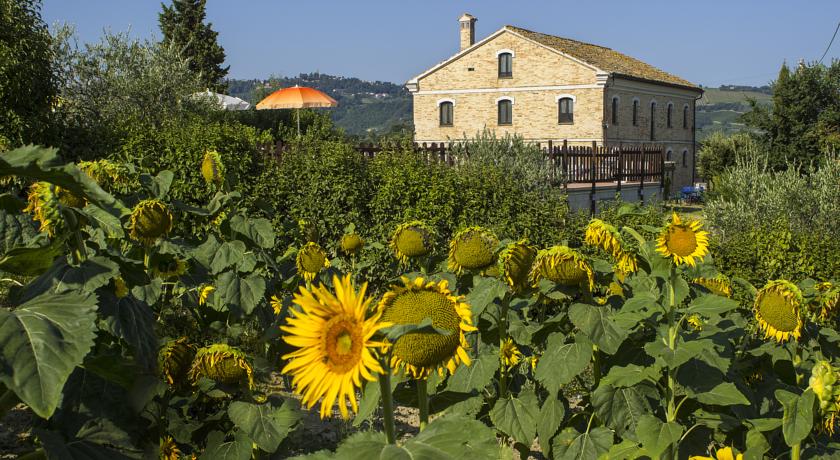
x,y
365,108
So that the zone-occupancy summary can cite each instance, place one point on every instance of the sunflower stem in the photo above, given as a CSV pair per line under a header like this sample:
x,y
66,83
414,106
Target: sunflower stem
x,y
387,402
503,332
794,452
596,366
423,402
672,345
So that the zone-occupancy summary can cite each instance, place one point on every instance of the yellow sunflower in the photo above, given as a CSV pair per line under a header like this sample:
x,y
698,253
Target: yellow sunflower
x,y
515,262
204,293
473,248
311,259
276,305
410,240
212,168
222,363
684,242
333,334
45,207
352,243
150,220
695,321
510,354
726,453
563,266
777,310
174,360
169,449
602,235
823,383
827,299
626,263
219,219
419,354
534,361
120,288
719,285
105,172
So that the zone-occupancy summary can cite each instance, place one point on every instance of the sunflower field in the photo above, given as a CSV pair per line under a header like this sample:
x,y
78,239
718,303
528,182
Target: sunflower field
x,y
129,340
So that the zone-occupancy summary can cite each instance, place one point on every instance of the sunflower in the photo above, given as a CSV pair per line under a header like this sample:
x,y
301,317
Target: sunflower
x,y
204,293
150,220
310,260
563,266
510,354
352,243
534,361
695,321
45,208
410,240
166,266
333,334
685,242
719,285
823,383
602,235
222,363
827,299
169,449
120,288
473,248
419,354
219,219
174,360
777,310
212,168
727,453
276,305
626,263
105,172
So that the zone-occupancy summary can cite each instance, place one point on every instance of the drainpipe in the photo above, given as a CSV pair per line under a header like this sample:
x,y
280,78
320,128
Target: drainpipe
x,y
694,139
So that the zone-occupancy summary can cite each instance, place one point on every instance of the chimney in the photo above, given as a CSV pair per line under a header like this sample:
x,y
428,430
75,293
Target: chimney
x,y
467,22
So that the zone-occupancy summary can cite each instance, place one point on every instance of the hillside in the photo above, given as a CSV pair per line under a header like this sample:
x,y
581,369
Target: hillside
x,y
721,108
364,107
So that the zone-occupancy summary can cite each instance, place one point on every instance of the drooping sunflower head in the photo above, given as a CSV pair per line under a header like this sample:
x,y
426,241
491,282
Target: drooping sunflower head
x,y
410,240
166,266
776,308
602,235
204,293
509,353
563,266
169,449
276,305
333,334
150,220
311,259
105,172
174,360
827,300
212,168
473,248
222,363
45,207
719,285
515,262
352,243
626,263
823,382
419,354
684,242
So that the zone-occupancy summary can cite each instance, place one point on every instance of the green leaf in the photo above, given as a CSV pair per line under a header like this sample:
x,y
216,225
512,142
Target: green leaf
x,y
627,376
570,444
219,449
798,417
31,261
228,254
724,394
765,424
259,231
368,403
206,251
266,424
597,324
620,408
241,295
656,436
552,413
10,203
561,361
425,326
15,230
478,375
625,450
674,358
757,445
133,321
108,222
710,304
517,416
41,342
158,185
57,448
485,291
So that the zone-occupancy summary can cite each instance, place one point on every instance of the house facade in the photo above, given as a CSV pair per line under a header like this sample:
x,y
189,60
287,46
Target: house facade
x,y
548,88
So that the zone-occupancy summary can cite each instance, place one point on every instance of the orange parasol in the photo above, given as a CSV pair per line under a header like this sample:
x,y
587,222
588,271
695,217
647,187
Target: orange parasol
x,y
296,97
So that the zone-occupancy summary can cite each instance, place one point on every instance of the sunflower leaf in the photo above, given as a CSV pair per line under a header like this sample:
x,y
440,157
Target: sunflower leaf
x,y
425,326
241,295
620,408
657,436
597,324
561,361
570,444
478,375
517,416
798,417
219,449
711,305
266,424
551,415
724,394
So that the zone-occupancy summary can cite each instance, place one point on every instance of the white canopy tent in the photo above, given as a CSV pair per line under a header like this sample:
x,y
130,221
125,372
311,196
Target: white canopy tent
x,y
225,102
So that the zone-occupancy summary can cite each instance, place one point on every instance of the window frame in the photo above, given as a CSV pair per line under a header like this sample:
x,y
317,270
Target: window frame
x,y
615,103
653,120
570,107
669,116
510,102
685,116
636,105
451,112
505,54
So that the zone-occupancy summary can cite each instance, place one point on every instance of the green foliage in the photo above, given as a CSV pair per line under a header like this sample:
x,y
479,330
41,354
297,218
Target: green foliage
x,y
27,77
184,28
719,152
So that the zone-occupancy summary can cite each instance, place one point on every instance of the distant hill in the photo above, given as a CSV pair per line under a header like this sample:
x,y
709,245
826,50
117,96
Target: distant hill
x,y
364,107
368,108
720,108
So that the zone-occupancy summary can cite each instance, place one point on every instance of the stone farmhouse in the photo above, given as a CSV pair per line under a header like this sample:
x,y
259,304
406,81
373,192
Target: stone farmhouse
x,y
548,88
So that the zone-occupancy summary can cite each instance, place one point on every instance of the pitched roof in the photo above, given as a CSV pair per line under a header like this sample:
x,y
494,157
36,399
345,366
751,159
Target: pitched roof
x,y
603,58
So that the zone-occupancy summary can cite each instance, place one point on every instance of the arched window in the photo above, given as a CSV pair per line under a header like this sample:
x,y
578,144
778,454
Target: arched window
x,y
685,158
565,110
505,111
669,115
615,111
635,112
668,155
505,65
446,112
685,116
652,120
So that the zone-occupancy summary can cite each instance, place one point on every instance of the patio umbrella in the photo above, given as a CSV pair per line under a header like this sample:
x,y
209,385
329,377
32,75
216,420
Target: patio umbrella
x,y
296,97
225,102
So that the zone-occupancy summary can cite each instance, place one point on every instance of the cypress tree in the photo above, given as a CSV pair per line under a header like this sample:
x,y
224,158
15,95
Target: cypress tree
x,y
183,25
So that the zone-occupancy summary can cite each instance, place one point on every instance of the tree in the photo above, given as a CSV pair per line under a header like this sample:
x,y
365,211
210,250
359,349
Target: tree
x,y
719,152
27,81
183,25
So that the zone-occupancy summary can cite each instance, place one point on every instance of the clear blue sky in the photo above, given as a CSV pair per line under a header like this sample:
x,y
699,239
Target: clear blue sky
x,y
707,42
